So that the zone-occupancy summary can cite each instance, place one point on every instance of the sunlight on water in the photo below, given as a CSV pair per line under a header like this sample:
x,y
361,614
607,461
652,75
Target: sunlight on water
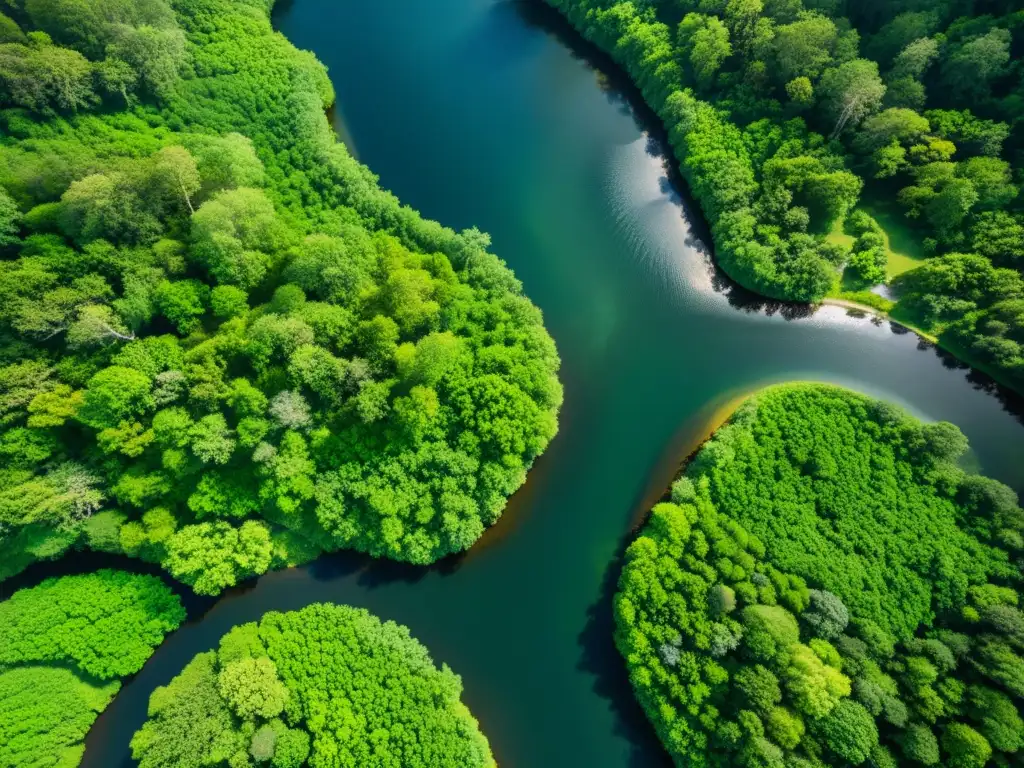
x,y
654,222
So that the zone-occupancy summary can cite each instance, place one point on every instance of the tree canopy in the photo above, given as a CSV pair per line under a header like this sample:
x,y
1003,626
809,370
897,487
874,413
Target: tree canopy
x,y
826,587
327,685
223,348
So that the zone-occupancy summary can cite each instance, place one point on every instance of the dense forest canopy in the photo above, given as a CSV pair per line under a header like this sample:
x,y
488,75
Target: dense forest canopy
x,y
785,113
222,347
327,686
64,647
827,587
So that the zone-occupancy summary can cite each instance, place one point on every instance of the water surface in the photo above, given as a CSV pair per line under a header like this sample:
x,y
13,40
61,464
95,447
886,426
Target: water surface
x,y
491,113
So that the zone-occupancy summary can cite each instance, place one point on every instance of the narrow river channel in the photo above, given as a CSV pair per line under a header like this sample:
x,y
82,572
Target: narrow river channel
x,y
491,113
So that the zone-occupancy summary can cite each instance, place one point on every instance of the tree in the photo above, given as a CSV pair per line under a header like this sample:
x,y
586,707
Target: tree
x,y
770,631
211,439
849,93
920,745
45,78
10,220
116,76
997,718
816,688
849,731
999,236
902,31
264,741
226,162
183,302
234,235
965,747
290,410
804,47
759,687
115,394
705,40
252,688
972,65
157,54
212,556
743,18
914,60
785,727
902,126
174,175
947,210
292,749
826,617
721,599
800,91
992,179
228,301
96,325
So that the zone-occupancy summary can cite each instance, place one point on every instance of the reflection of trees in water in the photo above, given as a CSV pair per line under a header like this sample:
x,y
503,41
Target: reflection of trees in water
x,y
601,659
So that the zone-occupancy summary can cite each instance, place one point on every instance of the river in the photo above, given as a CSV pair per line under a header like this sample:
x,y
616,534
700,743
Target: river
x,y
492,113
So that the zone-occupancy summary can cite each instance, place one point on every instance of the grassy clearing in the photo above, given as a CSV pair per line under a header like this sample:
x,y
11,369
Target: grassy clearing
x,y
902,247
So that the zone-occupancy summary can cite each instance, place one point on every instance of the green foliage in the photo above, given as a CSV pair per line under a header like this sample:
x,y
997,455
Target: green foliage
x,y
216,322
349,689
908,635
801,462
106,623
45,715
64,645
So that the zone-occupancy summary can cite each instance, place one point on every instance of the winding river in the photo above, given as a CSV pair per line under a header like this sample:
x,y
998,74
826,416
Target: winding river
x,y
492,113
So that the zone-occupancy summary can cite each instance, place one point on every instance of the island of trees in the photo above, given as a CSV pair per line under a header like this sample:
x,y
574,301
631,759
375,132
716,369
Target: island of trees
x,y
827,586
223,348
783,113
325,686
65,646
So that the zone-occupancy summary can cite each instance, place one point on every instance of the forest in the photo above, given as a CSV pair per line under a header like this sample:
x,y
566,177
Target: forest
x,y
223,348
328,684
826,586
65,646
793,119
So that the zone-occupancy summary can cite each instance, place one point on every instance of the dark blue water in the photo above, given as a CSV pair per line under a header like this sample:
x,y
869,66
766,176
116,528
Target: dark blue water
x,y
489,113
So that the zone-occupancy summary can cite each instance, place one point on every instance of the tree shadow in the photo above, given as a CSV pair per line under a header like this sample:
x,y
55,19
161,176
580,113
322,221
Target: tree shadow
x,y
601,659
84,561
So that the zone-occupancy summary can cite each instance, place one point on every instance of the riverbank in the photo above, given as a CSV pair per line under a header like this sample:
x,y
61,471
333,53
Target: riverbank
x,y
709,162
959,354
831,301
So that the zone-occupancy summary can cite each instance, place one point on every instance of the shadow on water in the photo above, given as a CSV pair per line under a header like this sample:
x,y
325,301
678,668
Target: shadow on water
x,y
86,561
601,659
